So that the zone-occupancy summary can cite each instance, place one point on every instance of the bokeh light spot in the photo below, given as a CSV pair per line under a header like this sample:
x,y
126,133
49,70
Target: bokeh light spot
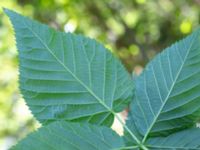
x,y
186,27
141,1
70,26
134,49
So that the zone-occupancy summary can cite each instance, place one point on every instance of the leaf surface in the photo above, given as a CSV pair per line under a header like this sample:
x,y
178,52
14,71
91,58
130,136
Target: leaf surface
x,y
71,136
184,140
167,95
68,77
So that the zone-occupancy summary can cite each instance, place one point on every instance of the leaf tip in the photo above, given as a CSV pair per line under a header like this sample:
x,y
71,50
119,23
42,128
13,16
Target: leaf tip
x,y
7,11
10,13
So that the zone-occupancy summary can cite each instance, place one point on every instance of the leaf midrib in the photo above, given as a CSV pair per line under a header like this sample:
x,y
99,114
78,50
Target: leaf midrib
x,y
169,93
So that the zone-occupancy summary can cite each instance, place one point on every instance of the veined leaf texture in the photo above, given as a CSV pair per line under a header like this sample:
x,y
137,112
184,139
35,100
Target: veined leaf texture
x,y
74,86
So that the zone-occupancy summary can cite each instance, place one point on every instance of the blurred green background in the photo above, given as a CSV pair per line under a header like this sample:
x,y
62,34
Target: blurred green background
x,y
135,30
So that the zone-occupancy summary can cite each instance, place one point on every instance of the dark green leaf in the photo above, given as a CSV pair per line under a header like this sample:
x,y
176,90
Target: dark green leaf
x,y
167,93
68,77
71,136
184,140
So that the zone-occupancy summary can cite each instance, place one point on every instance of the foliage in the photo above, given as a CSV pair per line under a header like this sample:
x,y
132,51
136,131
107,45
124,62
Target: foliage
x,y
67,78
134,30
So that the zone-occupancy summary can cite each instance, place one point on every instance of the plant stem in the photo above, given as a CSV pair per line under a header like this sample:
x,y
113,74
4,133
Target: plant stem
x,y
129,131
144,147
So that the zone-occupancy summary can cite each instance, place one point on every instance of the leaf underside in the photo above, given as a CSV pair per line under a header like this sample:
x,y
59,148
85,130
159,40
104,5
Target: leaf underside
x,y
167,95
184,140
71,136
68,77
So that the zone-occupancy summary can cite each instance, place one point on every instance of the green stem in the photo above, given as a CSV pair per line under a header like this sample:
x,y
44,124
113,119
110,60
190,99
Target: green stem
x,y
129,131
144,147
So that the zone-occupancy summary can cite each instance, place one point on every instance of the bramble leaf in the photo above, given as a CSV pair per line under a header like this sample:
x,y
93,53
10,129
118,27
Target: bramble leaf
x,y
185,140
68,77
71,136
167,93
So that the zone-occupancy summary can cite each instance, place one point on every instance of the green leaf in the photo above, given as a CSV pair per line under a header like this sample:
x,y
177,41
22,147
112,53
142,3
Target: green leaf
x,y
71,136
68,77
184,140
167,93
